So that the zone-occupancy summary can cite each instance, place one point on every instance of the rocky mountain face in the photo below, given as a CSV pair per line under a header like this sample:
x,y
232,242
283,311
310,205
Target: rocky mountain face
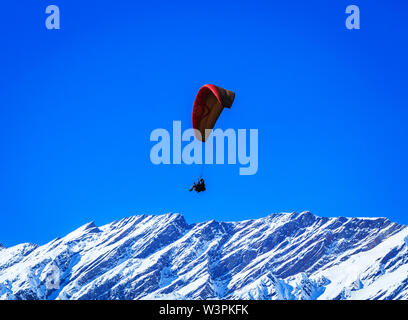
x,y
281,256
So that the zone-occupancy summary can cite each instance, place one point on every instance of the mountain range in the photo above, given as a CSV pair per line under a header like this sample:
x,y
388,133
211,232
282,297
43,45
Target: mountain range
x,y
294,256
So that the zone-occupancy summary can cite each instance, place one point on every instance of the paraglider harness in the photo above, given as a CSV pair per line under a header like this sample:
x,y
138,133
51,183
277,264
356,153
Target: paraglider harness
x,y
199,186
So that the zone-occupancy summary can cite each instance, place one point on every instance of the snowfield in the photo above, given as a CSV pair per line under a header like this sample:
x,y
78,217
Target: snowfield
x,y
281,256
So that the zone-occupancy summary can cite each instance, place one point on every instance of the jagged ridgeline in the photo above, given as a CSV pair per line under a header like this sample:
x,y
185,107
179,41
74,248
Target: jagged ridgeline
x,y
281,256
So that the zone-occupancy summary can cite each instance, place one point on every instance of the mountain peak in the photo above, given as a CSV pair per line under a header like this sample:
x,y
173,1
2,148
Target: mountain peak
x,y
281,256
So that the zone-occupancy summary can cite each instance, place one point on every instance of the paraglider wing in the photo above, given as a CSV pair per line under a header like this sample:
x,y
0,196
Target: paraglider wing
x,y
208,105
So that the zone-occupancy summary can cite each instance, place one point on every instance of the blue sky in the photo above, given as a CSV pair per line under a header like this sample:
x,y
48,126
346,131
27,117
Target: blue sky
x,y
77,106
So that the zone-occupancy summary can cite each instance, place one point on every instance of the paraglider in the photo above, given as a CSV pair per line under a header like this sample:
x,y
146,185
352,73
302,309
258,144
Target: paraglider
x,y
208,105
199,186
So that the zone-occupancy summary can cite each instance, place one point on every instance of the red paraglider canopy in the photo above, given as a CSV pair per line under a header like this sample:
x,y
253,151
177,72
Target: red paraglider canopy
x,y
208,105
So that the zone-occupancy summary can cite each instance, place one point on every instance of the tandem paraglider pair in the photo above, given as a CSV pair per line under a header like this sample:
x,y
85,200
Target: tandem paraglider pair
x,y
208,105
199,186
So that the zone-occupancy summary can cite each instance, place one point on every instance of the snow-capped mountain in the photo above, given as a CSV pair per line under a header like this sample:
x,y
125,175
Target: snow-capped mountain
x,y
281,256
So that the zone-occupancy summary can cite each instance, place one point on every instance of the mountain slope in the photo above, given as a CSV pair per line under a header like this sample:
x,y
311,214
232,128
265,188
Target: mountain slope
x,y
281,256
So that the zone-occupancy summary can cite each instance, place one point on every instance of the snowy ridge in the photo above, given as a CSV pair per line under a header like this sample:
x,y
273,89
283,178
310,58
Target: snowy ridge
x,y
281,256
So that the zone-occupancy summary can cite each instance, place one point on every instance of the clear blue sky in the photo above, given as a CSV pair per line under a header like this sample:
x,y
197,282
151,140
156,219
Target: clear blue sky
x,y
77,107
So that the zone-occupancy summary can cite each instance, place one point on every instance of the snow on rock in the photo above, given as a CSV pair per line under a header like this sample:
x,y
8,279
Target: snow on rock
x,y
281,256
